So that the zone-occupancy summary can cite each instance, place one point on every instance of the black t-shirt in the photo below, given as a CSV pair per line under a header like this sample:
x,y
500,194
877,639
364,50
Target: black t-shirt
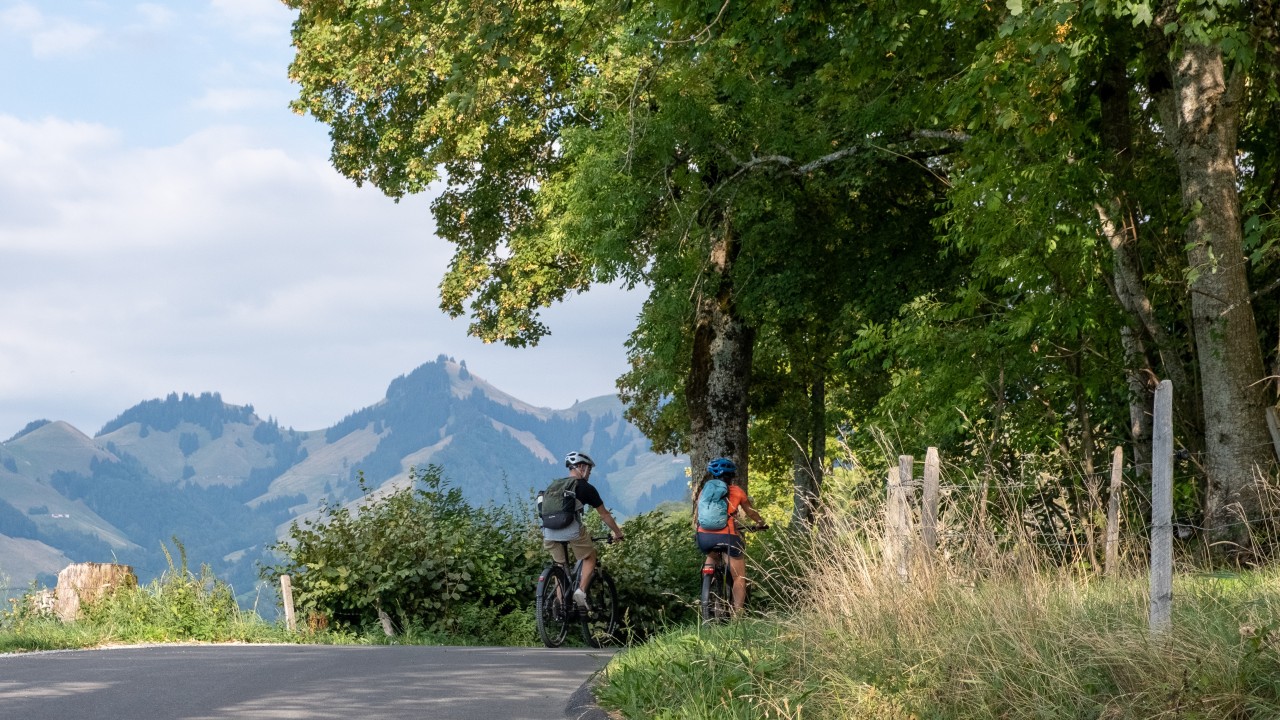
x,y
588,495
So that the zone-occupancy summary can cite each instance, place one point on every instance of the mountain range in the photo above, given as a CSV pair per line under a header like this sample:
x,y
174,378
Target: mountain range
x,y
225,484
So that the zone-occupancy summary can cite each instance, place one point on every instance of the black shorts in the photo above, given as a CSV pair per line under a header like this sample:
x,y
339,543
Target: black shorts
x,y
726,542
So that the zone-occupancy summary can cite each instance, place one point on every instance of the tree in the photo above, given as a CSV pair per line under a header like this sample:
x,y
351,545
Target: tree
x,y
1149,95
658,143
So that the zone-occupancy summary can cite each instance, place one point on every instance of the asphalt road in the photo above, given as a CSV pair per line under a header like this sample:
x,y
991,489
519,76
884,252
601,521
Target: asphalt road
x,y
282,682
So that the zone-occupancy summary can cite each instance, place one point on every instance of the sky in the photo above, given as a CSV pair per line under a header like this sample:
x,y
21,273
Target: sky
x,y
167,225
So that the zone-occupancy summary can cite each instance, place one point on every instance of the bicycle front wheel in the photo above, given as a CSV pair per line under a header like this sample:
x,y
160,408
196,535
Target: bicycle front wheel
x,y
600,621
552,605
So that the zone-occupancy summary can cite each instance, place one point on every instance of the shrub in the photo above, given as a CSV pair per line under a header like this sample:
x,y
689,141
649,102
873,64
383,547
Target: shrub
x,y
656,572
419,554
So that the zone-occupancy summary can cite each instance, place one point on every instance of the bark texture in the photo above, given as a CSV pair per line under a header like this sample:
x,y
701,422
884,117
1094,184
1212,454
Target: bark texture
x,y
719,375
1201,113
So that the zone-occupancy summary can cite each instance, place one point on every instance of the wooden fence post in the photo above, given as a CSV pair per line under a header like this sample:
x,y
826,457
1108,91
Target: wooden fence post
x,y
1113,513
929,502
1160,619
286,597
897,526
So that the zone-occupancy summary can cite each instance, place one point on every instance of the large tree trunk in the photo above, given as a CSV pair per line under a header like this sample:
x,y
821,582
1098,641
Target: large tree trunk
x,y
720,372
1201,114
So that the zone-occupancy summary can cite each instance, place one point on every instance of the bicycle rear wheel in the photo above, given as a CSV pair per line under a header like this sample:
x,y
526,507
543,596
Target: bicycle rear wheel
x,y
552,605
716,594
600,622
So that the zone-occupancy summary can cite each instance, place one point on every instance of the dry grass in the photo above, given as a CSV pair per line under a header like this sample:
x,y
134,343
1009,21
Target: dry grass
x,y
990,629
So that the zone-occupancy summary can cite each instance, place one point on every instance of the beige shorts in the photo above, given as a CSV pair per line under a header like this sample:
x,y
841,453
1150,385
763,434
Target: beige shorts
x,y
581,545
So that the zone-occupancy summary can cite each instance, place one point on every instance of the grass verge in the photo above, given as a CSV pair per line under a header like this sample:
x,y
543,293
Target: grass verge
x,y
1007,637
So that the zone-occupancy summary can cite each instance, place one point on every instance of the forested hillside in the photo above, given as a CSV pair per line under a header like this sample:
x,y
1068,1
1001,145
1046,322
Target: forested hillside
x,y
225,482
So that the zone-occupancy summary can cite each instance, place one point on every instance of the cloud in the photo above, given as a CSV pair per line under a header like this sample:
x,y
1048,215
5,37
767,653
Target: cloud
x,y
225,101
49,37
252,18
154,17
21,18
223,263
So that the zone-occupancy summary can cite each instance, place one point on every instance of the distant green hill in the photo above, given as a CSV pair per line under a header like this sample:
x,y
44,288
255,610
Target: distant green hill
x,y
226,483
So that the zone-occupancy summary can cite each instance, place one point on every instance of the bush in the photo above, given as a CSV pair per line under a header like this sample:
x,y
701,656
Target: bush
x,y
656,572
420,554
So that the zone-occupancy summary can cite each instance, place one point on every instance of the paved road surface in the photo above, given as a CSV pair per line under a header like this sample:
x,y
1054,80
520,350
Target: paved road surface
x,y
283,682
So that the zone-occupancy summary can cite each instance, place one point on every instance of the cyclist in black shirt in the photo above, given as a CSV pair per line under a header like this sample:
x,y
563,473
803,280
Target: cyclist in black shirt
x,y
576,534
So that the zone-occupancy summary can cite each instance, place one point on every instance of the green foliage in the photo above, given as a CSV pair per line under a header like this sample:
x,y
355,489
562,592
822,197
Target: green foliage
x,y
656,572
15,524
178,605
206,410
420,554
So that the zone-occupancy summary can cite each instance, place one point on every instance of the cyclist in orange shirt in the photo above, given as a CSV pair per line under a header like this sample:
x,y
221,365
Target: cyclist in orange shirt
x,y
727,539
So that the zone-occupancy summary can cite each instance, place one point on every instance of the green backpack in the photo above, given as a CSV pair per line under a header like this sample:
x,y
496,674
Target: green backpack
x,y
558,504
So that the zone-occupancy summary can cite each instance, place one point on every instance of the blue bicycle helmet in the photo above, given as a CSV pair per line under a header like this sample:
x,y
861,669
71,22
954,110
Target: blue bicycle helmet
x,y
721,467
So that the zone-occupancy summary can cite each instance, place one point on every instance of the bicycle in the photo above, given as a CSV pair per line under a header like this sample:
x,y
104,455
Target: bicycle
x,y
556,610
717,582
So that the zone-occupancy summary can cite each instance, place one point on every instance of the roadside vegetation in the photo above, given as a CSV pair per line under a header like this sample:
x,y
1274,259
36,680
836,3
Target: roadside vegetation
x,y
991,627
178,606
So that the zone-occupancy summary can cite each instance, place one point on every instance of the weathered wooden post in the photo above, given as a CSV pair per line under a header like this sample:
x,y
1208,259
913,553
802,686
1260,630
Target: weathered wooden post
x,y
897,531
286,597
1112,553
929,502
83,583
1160,619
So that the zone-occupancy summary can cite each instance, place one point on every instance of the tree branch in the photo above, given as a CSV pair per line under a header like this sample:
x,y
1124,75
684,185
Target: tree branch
x,y
794,167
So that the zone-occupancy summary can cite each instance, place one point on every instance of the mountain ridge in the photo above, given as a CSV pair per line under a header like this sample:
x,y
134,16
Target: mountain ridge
x,y
226,484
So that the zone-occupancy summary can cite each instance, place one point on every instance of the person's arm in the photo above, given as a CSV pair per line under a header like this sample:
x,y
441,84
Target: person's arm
x,y
746,507
607,517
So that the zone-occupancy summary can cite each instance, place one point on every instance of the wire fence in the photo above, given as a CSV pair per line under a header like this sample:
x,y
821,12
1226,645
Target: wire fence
x,y
1062,511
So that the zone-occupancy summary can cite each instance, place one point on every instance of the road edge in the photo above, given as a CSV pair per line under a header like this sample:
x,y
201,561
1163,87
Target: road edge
x,y
582,703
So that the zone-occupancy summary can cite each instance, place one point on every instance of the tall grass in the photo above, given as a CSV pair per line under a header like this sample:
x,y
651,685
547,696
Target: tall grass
x,y
1024,640
987,628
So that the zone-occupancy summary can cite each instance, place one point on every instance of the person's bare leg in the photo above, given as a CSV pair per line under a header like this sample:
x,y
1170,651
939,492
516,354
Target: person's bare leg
x,y
739,567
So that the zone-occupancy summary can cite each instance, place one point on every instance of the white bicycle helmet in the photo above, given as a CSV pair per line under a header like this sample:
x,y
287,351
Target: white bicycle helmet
x,y
576,457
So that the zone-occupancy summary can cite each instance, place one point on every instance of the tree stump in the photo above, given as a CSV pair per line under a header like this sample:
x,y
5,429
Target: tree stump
x,y
83,583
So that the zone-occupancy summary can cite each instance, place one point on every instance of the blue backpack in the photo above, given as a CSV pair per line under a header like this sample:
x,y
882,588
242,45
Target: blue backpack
x,y
713,505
